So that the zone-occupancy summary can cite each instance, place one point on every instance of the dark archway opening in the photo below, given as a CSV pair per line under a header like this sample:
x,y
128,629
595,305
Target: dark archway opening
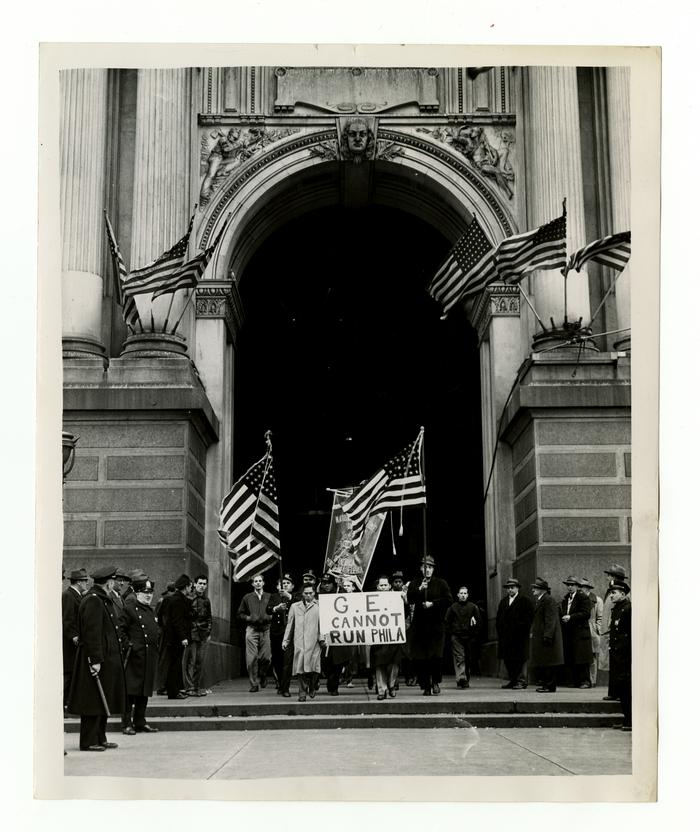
x,y
343,356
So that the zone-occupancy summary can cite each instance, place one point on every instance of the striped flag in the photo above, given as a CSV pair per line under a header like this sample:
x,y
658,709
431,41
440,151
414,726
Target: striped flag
x,y
159,272
397,484
539,249
613,250
250,520
188,275
128,305
467,270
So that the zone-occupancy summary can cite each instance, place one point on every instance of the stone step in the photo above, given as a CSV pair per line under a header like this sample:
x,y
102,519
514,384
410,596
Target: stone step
x,y
297,721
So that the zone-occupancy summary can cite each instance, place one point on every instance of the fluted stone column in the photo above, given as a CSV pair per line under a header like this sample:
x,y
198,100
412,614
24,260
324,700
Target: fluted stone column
x,y
83,136
162,206
617,83
554,172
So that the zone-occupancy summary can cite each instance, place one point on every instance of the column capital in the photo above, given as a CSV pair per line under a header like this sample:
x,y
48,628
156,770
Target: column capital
x,y
497,300
220,299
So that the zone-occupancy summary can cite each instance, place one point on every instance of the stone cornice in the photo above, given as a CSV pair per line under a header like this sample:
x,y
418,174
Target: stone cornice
x,y
220,299
497,300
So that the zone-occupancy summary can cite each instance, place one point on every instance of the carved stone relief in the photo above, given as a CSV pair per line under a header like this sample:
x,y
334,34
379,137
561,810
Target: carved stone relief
x,y
221,152
495,301
356,139
486,149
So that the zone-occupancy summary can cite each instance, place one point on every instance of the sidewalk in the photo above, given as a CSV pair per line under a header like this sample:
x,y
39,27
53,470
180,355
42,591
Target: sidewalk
x,y
466,751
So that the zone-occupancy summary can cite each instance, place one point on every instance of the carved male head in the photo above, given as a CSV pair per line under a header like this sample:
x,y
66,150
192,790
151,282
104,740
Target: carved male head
x,y
356,135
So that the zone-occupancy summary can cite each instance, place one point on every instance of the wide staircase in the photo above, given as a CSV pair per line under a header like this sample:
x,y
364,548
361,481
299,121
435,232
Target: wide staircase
x,y
230,707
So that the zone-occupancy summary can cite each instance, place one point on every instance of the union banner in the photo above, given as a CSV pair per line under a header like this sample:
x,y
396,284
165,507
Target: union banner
x,y
341,559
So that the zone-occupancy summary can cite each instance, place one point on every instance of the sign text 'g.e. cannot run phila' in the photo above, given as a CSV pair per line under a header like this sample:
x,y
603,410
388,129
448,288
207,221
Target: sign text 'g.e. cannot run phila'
x,y
362,618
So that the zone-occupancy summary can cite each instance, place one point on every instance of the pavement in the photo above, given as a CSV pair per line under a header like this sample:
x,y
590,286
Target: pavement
x,y
462,750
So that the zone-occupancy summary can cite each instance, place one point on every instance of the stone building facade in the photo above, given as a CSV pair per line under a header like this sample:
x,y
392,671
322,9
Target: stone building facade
x,y
256,146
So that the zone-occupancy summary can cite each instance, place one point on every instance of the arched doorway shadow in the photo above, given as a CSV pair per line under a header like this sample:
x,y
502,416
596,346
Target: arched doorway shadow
x,y
343,356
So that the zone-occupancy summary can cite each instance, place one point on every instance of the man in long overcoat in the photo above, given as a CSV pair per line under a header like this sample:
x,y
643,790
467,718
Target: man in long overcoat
x,y
99,659
70,604
303,631
621,649
140,633
431,598
278,610
513,620
575,611
546,647
176,636
616,574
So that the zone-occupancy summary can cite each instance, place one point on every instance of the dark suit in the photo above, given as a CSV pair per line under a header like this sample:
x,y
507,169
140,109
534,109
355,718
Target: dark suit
x,y
426,636
99,644
576,632
177,624
513,620
546,648
621,656
70,604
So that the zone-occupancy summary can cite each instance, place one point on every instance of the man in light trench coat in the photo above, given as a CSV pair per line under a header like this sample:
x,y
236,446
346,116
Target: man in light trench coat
x,y
304,632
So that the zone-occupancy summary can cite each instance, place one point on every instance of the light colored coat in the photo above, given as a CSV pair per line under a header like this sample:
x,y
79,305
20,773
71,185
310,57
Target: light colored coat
x,y
303,630
596,622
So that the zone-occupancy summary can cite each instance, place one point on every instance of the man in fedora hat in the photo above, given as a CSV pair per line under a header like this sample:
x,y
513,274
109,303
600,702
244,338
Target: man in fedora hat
x,y
430,598
513,620
70,604
98,685
546,648
621,649
176,636
575,612
595,626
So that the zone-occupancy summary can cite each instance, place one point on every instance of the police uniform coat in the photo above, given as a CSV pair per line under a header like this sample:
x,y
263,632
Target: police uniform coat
x,y
546,646
140,632
426,636
303,631
513,622
99,644
577,632
621,644
70,604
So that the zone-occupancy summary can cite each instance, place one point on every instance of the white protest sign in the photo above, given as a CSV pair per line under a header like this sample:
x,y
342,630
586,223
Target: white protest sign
x,y
362,618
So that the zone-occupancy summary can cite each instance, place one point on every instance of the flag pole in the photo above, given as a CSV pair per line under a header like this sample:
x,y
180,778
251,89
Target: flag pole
x,y
565,272
425,486
534,311
170,309
184,309
605,297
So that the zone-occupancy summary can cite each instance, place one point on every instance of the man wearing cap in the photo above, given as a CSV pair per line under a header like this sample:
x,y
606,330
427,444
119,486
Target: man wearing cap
x,y
616,573
575,612
196,651
431,598
70,604
621,649
176,636
140,632
278,610
513,620
98,687
122,583
546,647
596,627
253,610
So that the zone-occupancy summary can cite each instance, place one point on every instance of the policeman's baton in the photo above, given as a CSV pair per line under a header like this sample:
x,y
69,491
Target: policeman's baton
x,y
102,694
126,658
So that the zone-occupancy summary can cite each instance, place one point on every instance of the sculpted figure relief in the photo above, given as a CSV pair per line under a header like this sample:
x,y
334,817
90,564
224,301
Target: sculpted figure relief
x,y
357,141
230,150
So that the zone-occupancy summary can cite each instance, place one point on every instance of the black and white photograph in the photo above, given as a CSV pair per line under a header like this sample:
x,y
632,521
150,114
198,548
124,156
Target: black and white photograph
x,y
346,410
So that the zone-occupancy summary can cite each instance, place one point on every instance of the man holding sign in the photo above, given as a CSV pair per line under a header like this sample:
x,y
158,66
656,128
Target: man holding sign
x,y
386,658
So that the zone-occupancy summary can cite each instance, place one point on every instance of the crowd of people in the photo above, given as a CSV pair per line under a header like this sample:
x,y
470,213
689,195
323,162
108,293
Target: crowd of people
x,y
118,648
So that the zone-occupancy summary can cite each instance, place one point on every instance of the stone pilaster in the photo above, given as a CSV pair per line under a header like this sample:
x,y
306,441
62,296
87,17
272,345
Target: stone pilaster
x,y
83,136
162,203
617,83
549,110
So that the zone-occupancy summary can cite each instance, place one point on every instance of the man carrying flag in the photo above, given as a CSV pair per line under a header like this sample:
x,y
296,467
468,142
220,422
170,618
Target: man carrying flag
x,y
250,519
397,484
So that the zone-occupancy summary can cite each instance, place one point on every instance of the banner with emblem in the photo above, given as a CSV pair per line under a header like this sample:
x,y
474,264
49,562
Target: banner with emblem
x,y
342,560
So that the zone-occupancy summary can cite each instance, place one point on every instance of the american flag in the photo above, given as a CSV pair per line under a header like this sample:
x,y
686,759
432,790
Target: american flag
x,y
467,269
397,484
613,250
542,248
129,311
188,275
159,272
250,520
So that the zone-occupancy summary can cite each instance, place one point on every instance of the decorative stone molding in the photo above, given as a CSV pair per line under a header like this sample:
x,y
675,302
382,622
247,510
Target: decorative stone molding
x,y
497,300
220,299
